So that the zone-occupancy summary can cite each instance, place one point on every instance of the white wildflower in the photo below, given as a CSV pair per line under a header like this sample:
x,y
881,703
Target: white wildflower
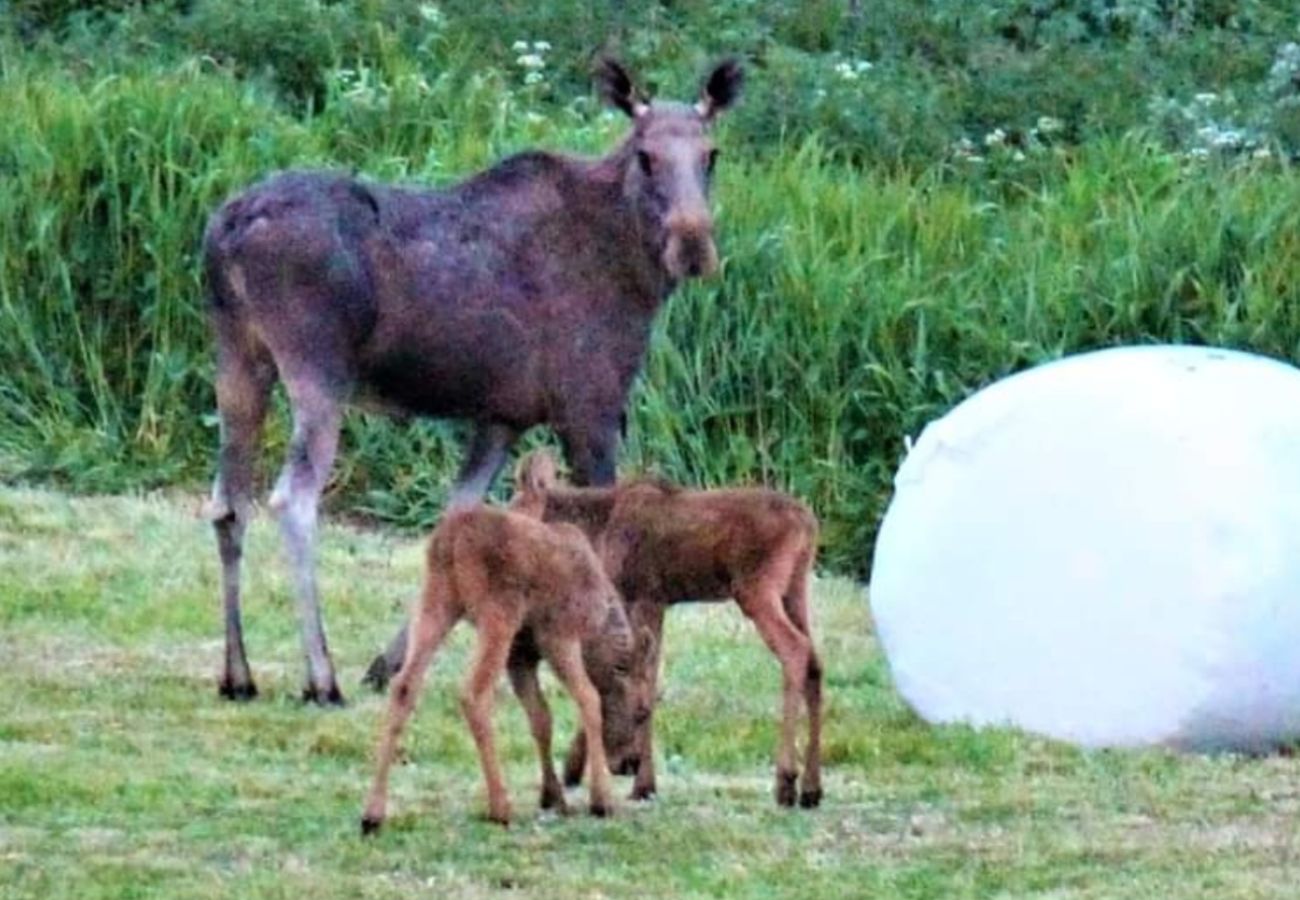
x,y
431,14
1262,153
519,46
533,77
995,138
1018,156
846,71
541,46
1049,125
1205,98
863,65
531,61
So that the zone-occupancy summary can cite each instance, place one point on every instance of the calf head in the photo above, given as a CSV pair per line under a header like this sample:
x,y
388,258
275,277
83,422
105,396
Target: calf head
x,y
671,163
610,660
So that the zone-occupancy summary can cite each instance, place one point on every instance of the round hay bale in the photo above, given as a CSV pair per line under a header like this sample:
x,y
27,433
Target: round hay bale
x,y
1105,550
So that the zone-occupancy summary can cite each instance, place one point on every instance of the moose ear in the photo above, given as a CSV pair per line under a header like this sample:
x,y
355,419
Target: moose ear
x,y
721,88
617,87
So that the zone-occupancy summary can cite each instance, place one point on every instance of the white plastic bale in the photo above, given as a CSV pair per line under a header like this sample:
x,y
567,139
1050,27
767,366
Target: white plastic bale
x,y
1105,550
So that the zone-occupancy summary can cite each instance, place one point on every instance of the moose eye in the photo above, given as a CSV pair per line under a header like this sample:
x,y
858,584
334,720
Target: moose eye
x,y
710,160
646,161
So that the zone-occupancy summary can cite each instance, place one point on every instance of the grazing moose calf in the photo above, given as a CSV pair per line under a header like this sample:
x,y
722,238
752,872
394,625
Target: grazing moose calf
x,y
522,296
662,545
533,591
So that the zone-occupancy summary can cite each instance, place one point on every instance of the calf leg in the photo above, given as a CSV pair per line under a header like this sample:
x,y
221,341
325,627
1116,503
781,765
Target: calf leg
x,y
432,624
523,678
317,415
487,453
796,607
575,760
244,380
650,616
792,648
566,658
495,635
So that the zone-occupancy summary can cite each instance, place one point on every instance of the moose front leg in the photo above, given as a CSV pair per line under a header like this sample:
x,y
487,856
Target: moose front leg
x,y
488,450
592,451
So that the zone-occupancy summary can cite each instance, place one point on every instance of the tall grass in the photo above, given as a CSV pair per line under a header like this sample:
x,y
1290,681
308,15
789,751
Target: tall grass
x,y
855,303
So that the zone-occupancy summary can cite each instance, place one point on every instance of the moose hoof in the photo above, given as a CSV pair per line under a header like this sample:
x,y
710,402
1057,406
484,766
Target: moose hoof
x,y
602,809
377,675
323,696
810,798
500,816
572,779
237,690
370,825
785,788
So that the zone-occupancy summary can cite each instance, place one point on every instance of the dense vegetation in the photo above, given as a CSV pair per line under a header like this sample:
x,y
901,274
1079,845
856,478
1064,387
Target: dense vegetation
x,y
917,198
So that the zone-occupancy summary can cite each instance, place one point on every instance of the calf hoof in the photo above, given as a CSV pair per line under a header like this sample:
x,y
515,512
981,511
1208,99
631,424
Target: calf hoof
x,y
500,816
602,809
237,690
323,696
377,676
785,788
629,765
554,799
572,779
370,826
643,792
810,798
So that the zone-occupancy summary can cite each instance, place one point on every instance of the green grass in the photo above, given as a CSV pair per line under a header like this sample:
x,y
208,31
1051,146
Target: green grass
x,y
123,775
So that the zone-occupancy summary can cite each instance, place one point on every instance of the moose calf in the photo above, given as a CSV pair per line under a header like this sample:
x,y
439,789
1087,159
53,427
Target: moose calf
x,y
662,545
533,591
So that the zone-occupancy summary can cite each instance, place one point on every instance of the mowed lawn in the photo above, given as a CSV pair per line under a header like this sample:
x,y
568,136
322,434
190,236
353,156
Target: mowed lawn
x,y
123,775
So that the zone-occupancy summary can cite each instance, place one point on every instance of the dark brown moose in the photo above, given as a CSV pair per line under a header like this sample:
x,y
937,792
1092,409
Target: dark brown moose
x,y
522,296
661,545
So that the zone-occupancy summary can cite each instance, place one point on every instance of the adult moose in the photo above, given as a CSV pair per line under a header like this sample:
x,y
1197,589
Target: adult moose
x,y
522,296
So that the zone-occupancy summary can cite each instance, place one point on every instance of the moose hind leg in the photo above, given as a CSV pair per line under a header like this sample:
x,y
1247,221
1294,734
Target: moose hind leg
x,y
244,381
317,414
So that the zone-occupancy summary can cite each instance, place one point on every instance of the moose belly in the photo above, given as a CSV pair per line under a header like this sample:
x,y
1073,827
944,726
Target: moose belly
x,y
477,365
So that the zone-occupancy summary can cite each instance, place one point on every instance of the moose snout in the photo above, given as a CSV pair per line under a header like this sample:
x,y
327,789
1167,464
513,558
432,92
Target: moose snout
x,y
690,251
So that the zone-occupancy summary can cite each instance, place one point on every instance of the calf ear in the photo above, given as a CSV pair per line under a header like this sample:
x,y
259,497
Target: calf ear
x,y
537,473
619,90
646,642
721,88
